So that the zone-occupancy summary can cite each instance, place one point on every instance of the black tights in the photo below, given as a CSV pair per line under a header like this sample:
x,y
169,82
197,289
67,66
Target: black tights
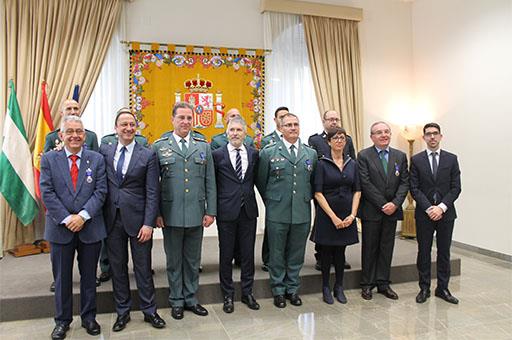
x,y
332,255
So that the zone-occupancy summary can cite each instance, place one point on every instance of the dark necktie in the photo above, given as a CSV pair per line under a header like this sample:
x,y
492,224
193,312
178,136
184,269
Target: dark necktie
x,y
120,163
384,161
184,146
238,164
434,163
292,153
74,170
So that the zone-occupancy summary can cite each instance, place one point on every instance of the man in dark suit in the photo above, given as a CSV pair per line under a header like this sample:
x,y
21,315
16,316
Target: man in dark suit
x,y
330,120
384,183
235,167
73,189
435,185
131,209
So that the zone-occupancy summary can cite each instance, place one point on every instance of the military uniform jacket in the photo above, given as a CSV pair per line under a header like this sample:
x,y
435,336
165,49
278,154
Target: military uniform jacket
x,y
286,186
111,139
53,142
218,141
187,182
270,139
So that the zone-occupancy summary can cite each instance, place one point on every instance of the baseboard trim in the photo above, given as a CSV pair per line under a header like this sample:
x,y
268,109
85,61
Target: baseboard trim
x,y
482,251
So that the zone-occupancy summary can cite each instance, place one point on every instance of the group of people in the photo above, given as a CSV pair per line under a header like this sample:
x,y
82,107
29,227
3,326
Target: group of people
x,y
182,184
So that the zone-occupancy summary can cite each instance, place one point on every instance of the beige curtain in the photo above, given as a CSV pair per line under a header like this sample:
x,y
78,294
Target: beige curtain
x,y
333,48
63,42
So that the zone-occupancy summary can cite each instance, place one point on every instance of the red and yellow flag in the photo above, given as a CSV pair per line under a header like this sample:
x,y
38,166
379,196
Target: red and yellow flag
x,y
44,126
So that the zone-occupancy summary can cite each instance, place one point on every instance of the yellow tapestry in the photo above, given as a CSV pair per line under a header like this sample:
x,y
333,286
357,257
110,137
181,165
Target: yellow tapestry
x,y
212,82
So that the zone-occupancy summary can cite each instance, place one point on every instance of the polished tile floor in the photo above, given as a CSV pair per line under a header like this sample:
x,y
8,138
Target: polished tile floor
x,y
485,312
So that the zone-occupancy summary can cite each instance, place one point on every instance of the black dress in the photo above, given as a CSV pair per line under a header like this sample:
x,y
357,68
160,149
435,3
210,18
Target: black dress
x,y
338,188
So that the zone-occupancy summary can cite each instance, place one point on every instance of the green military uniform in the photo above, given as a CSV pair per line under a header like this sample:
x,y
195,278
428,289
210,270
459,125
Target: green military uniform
x,y
193,133
53,142
270,139
112,138
188,192
286,187
218,141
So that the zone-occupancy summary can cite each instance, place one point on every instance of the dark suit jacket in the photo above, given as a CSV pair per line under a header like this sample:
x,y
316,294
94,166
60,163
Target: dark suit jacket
x,y
377,189
61,199
424,185
230,189
137,196
319,143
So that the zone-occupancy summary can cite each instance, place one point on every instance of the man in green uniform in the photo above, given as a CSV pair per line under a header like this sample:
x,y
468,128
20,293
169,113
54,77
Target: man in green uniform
x,y
275,136
218,141
188,204
285,175
70,107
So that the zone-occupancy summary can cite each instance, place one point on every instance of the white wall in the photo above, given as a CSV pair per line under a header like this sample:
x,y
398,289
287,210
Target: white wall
x,y
462,65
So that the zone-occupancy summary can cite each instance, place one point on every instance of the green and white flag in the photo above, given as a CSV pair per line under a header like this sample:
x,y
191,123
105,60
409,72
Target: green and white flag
x,y
16,172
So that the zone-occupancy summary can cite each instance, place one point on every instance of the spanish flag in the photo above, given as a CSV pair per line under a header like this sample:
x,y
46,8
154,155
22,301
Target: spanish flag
x,y
44,126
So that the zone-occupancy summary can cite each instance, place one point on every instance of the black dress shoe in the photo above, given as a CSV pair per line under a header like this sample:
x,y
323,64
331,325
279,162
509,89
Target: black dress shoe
x,y
177,313
104,277
339,294
347,265
423,295
446,296
389,293
264,267
279,301
52,287
92,327
294,299
121,322
250,301
59,332
366,293
229,306
155,320
197,309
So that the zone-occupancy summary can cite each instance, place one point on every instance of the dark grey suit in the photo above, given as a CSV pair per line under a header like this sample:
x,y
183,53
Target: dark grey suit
x,y
379,229
130,204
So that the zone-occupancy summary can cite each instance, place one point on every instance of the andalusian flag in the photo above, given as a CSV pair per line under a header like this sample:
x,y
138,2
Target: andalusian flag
x,y
16,174
44,127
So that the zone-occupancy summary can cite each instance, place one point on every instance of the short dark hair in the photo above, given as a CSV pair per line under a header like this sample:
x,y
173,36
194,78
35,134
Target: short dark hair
x,y
122,111
289,114
280,108
431,125
336,131
181,105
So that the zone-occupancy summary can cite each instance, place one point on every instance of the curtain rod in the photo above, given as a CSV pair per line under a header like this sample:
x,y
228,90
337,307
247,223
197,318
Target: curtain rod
x,y
195,46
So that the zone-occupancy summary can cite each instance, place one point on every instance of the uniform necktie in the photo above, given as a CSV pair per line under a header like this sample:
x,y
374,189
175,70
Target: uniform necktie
x,y
292,153
238,164
383,160
74,170
120,163
184,146
434,163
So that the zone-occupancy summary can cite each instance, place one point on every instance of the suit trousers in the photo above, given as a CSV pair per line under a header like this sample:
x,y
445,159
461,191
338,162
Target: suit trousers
x,y
287,245
378,242
104,263
425,235
264,248
240,234
117,244
182,247
62,258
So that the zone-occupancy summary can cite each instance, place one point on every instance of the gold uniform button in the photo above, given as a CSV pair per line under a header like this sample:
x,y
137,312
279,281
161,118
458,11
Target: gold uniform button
x,y
186,190
186,160
294,192
186,179
186,170
294,183
295,175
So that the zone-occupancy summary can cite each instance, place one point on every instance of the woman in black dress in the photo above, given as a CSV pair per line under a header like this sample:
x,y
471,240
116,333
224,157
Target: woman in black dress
x,y
337,192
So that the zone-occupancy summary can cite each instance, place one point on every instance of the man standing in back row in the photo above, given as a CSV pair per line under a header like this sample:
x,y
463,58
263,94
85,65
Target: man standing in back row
x,y
435,185
384,185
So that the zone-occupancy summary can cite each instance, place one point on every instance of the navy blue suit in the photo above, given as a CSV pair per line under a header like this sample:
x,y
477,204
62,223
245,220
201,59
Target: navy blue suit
x,y
62,200
236,218
130,204
428,190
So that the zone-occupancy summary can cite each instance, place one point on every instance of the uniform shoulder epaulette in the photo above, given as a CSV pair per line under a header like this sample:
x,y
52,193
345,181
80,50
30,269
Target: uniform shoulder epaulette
x,y
310,147
161,139
199,139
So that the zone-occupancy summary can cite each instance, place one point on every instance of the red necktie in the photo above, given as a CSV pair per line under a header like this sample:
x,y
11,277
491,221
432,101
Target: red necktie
x,y
74,170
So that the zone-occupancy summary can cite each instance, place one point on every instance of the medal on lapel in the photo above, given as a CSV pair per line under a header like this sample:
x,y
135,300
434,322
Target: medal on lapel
x,y
397,170
309,165
88,173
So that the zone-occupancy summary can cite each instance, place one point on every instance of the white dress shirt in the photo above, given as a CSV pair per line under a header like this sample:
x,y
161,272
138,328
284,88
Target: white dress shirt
x,y
178,140
429,156
288,145
85,215
127,156
243,155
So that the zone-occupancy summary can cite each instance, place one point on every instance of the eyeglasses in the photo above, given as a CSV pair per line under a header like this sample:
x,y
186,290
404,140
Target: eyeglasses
x,y
77,131
338,138
432,134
